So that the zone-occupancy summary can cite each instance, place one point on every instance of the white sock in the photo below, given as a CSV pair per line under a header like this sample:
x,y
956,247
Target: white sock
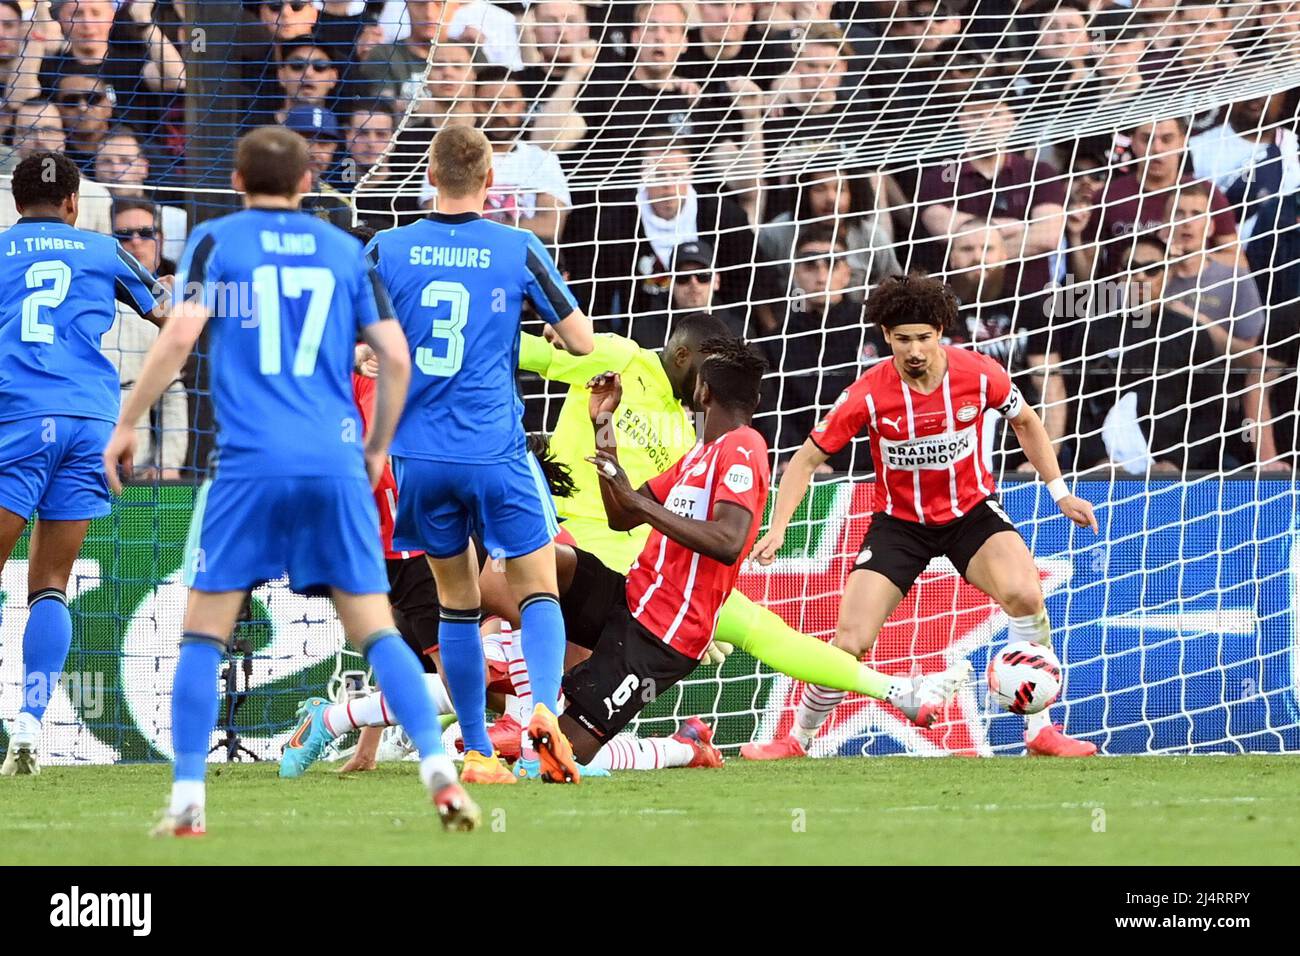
x,y
814,707
25,729
1034,628
185,794
518,670
438,691
368,711
628,752
437,765
1036,722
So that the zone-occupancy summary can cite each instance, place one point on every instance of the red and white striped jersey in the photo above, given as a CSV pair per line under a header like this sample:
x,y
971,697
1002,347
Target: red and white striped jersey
x,y
674,592
363,393
927,449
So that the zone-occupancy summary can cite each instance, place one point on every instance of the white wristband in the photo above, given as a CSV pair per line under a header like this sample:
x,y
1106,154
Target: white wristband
x,y
1058,489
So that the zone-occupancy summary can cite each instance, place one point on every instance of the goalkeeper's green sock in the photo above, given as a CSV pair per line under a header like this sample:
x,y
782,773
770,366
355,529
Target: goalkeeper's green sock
x,y
761,632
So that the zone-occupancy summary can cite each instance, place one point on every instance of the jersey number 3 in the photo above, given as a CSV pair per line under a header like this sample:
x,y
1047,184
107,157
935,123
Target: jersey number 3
x,y
451,329
292,282
51,296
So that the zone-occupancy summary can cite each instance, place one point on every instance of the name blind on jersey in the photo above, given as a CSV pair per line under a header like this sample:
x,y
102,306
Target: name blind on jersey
x,y
288,243
42,244
456,257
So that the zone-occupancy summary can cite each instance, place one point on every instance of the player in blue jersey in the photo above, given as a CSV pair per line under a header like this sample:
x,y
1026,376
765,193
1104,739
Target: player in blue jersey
x,y
459,283
286,295
58,400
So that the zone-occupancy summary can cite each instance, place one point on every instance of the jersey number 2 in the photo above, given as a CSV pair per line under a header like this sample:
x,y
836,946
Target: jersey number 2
x,y
45,297
269,284
451,329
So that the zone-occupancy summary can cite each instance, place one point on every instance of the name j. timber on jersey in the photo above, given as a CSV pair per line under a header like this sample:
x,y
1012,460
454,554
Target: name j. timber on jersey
x,y
928,452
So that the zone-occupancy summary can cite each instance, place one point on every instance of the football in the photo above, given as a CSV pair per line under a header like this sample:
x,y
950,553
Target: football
x,y
1024,678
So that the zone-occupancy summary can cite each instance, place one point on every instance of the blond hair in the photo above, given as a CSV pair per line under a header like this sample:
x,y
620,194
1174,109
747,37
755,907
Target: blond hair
x,y
460,158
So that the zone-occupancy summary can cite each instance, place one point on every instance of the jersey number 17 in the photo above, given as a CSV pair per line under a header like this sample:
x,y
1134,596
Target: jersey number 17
x,y
292,282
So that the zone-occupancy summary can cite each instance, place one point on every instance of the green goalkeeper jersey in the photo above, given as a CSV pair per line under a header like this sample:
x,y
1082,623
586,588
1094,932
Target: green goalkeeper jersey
x,y
652,428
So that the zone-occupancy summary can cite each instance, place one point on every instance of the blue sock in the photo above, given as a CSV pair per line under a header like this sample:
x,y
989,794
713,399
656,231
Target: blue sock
x,y
401,678
45,648
465,673
194,703
543,625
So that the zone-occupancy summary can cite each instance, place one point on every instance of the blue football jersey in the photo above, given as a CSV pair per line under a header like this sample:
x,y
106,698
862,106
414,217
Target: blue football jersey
x,y
287,294
459,283
58,289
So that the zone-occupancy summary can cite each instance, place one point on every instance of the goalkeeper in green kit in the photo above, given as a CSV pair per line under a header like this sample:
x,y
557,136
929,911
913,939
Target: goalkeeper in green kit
x,y
654,429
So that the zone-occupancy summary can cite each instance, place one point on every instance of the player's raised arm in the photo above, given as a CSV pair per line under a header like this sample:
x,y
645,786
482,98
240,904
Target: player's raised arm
x,y
390,350
556,363
1037,446
550,296
794,485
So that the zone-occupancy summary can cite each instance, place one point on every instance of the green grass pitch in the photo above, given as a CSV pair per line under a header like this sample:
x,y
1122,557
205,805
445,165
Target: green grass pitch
x,y
1204,810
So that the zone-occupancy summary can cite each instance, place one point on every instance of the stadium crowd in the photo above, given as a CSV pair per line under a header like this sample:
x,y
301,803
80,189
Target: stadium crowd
x,y
1141,285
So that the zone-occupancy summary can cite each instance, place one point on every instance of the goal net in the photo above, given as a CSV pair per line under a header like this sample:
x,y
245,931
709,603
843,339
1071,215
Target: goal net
x,y
1112,192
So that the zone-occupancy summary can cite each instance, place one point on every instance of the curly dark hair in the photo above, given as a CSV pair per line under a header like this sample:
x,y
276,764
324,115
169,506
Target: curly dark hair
x,y
559,477
45,179
733,371
912,299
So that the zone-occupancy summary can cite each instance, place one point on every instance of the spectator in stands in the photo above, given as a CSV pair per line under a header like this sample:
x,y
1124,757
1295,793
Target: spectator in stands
x,y
820,344
1122,43
449,88
38,126
397,69
1223,301
633,254
373,182
1143,201
20,59
693,286
308,75
288,20
623,102
87,105
1153,390
849,201
1201,31
1249,159
529,189
320,128
258,49
559,55
810,99
987,185
163,433
133,57
724,44
122,166
1059,60
368,133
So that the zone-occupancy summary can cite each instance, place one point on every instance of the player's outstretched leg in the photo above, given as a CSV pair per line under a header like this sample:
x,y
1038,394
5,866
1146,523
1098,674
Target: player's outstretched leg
x,y
321,722
1004,569
868,600
691,746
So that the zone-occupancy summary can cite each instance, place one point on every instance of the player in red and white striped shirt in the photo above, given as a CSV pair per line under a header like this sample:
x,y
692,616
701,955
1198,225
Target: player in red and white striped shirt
x,y
705,512
924,414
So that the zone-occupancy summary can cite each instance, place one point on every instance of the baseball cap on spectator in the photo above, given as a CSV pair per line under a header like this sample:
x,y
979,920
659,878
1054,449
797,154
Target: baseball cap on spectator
x,y
698,252
313,122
